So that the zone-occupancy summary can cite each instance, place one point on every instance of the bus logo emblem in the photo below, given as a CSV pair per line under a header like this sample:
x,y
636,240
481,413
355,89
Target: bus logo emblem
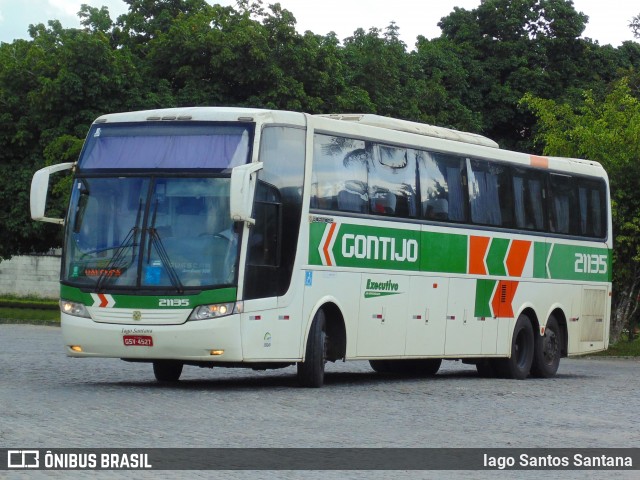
x,y
137,315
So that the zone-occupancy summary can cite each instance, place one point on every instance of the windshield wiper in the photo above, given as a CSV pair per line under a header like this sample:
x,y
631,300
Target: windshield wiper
x,y
156,241
129,241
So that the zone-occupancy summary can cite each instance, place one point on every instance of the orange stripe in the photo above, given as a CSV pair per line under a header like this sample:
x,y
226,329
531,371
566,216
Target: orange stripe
x,y
477,251
540,162
325,248
503,299
517,257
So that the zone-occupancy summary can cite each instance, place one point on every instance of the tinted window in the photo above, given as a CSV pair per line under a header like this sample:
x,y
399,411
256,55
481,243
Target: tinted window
x,y
340,174
592,208
273,240
528,199
490,196
442,187
562,204
392,182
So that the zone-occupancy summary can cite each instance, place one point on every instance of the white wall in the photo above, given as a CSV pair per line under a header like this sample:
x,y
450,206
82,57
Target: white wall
x,y
37,275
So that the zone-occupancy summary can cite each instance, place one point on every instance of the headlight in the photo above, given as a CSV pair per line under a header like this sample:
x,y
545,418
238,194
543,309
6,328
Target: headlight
x,y
217,310
74,308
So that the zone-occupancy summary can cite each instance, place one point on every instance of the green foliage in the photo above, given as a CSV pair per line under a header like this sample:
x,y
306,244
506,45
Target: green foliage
x,y
165,53
606,130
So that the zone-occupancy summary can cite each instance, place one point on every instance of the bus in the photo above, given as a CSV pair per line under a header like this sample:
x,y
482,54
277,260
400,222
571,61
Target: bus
x,y
239,237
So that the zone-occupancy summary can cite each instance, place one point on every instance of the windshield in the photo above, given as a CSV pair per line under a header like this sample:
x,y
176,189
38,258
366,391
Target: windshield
x,y
168,233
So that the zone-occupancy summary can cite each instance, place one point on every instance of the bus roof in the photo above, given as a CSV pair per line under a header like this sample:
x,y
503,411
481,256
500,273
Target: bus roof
x,y
227,114
414,127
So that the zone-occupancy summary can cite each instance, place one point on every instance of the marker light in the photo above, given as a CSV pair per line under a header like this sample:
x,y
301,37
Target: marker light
x,y
75,348
217,310
74,308
216,352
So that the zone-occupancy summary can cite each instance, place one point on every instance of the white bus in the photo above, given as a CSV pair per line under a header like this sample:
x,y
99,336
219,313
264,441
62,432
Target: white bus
x,y
256,238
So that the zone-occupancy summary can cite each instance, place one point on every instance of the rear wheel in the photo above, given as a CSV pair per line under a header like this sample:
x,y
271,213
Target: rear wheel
x,y
311,370
547,353
167,370
519,365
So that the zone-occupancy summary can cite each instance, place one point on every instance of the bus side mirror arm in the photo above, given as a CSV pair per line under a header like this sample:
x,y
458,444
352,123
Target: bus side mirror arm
x,y
242,190
40,189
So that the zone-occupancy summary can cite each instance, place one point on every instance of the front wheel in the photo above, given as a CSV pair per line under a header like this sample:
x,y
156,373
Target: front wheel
x,y
546,357
167,370
311,370
519,365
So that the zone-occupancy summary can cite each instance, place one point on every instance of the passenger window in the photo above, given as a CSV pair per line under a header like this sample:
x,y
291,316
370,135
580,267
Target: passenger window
x,y
442,181
340,169
562,204
528,200
591,201
490,194
392,182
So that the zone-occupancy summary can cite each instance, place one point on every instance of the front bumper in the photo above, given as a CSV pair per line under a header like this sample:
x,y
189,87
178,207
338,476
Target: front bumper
x,y
190,341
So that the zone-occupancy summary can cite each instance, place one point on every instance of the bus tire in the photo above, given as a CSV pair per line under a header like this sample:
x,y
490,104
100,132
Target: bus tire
x,y
547,352
311,370
522,347
167,370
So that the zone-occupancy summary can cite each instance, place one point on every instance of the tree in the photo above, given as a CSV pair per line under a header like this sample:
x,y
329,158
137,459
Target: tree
x,y
52,88
606,130
635,26
510,47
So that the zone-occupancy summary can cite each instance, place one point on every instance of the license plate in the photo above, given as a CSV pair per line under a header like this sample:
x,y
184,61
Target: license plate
x,y
137,340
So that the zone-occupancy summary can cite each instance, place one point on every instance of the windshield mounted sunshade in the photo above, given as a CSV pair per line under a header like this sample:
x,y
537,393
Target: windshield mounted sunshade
x,y
166,146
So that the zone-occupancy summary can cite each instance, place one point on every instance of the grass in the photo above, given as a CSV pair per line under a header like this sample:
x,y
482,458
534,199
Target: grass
x,y
623,348
35,310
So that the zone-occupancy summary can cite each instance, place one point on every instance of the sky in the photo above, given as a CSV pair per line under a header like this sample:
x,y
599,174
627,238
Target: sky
x,y
608,19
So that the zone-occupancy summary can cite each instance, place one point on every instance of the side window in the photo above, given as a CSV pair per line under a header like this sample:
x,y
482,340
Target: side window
x,y
392,182
529,199
562,204
592,208
442,187
339,176
490,194
277,205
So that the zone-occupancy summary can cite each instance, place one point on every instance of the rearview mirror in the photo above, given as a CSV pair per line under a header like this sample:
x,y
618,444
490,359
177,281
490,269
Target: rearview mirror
x,y
243,187
40,189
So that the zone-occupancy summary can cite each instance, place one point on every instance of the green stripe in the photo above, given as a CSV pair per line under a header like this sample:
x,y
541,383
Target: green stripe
x,y
539,260
443,252
570,262
484,289
368,247
496,257
222,295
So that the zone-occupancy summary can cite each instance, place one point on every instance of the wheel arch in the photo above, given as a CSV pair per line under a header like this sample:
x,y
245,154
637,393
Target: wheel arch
x,y
561,318
531,314
335,328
